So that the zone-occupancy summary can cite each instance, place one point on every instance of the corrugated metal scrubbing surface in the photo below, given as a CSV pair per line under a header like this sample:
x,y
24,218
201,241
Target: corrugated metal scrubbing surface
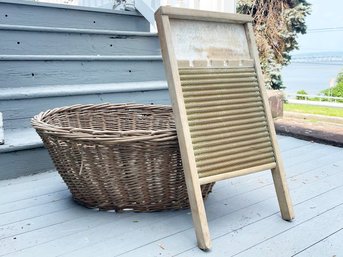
x,y
226,118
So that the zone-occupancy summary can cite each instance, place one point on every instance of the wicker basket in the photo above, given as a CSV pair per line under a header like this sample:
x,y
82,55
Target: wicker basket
x,y
117,157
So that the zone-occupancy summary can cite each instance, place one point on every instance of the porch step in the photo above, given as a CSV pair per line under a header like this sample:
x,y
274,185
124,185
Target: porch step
x,y
20,139
23,154
29,13
45,70
55,55
38,40
84,89
19,105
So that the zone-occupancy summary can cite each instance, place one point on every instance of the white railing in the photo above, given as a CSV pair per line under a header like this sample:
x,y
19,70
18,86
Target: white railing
x,y
315,97
315,100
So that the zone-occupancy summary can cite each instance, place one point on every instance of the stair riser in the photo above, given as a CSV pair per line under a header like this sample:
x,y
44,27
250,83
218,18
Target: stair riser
x,y
17,113
26,162
45,43
38,73
44,15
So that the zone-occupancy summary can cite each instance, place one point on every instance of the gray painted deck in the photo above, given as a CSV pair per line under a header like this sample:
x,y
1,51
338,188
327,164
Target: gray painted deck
x,y
38,217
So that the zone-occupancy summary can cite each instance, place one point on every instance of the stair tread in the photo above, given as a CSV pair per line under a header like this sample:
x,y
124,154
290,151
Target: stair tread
x,y
26,138
80,58
72,7
20,139
21,12
78,89
76,30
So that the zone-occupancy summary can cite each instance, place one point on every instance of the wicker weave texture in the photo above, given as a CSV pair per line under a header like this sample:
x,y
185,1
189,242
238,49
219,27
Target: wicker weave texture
x,y
117,157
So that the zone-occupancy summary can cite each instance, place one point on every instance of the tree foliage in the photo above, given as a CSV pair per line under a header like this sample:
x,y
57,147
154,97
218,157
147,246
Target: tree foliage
x,y
276,25
337,90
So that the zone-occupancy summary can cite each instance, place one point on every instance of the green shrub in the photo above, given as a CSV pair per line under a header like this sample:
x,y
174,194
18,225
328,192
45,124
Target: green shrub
x,y
317,99
337,90
301,92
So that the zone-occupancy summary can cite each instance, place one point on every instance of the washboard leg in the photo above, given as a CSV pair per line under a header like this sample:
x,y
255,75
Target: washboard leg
x,y
198,214
282,192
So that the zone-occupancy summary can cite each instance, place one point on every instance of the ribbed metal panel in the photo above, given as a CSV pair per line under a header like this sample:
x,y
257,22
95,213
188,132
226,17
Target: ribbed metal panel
x,y
227,121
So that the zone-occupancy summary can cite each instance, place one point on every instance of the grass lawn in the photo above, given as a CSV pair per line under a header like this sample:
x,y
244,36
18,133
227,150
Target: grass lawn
x,y
328,111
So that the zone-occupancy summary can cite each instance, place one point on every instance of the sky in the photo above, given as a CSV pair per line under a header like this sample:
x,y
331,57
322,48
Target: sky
x,y
325,14
324,34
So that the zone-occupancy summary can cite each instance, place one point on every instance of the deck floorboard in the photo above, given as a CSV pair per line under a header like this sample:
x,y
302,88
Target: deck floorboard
x,y
39,218
328,246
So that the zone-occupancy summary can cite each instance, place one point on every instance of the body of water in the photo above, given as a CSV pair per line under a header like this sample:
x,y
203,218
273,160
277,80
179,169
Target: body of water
x,y
309,75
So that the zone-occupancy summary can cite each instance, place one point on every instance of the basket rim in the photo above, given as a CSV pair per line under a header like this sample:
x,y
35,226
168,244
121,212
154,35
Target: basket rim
x,y
104,136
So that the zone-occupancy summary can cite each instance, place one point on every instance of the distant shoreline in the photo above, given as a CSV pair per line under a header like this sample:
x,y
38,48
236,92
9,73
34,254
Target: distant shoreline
x,y
312,74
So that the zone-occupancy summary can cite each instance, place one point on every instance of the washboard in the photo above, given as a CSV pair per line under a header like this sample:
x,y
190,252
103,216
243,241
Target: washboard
x,y
223,120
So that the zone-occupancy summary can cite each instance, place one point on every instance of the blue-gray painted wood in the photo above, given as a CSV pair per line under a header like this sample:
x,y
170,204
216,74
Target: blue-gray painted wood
x,y
304,235
21,42
23,163
41,3
75,30
54,57
16,93
328,246
21,139
242,213
23,154
17,113
49,15
40,73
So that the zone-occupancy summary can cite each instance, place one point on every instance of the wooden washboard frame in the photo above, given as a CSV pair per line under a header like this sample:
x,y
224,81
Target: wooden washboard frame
x,y
223,120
